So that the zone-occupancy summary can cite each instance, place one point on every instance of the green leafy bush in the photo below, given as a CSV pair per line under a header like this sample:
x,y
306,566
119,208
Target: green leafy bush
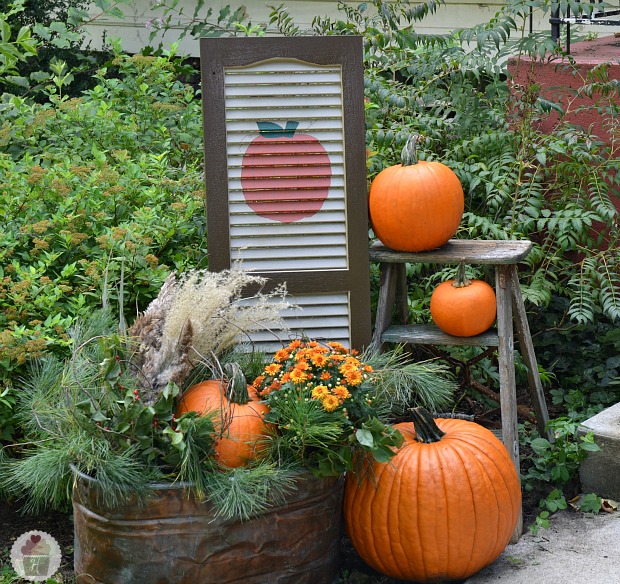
x,y
583,359
38,35
551,466
102,189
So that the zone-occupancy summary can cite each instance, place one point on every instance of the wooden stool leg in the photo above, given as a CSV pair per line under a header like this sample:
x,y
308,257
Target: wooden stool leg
x,y
402,304
385,303
526,346
508,390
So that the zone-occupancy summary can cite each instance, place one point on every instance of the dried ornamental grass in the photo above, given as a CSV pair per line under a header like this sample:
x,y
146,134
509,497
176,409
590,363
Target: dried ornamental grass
x,y
197,317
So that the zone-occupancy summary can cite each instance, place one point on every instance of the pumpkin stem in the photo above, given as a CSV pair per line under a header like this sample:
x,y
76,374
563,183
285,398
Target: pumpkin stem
x,y
425,428
236,384
408,156
461,280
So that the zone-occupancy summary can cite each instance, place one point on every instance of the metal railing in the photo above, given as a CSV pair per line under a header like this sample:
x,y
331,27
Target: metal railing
x,y
602,15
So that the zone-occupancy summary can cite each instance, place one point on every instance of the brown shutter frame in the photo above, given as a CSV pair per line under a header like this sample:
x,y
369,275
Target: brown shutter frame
x,y
217,54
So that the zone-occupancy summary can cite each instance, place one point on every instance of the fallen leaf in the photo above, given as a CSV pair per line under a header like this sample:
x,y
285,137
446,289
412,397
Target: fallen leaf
x,y
609,505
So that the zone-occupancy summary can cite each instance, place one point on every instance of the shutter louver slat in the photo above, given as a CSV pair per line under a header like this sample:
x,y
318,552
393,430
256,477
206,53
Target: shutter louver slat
x,y
321,317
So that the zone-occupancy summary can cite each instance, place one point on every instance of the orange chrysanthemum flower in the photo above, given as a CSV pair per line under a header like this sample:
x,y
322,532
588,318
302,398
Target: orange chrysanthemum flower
x,y
319,392
298,376
302,366
336,346
330,403
282,355
353,377
341,392
326,375
273,368
303,354
259,381
347,368
319,360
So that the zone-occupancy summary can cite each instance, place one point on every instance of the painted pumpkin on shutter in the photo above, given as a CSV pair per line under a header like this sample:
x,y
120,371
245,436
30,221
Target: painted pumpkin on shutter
x,y
285,175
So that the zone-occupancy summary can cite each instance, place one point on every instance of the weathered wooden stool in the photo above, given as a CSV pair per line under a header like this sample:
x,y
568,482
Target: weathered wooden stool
x,y
503,255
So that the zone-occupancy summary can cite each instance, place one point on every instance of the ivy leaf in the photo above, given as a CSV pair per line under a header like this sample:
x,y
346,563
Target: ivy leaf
x,y
365,437
589,446
382,453
176,438
99,416
540,445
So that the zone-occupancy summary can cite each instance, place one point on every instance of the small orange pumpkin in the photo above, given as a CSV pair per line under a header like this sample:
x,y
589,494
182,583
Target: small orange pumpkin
x,y
416,205
441,509
463,307
239,418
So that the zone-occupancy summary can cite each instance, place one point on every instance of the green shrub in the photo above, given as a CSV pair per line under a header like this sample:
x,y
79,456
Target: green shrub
x,y
100,189
36,35
584,360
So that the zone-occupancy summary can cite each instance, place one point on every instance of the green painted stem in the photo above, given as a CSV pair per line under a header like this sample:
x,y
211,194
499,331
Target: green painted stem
x,y
273,130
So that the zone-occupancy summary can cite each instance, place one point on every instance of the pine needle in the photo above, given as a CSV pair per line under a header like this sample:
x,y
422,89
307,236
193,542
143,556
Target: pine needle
x,y
247,492
402,383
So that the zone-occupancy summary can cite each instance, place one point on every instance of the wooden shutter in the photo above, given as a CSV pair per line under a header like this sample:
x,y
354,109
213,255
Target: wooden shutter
x,y
286,177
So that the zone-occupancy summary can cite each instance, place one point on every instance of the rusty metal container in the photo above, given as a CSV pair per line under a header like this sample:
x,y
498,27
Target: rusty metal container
x,y
175,538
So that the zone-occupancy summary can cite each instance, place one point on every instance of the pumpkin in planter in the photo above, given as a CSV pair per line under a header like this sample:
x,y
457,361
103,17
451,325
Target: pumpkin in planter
x,y
463,307
239,418
441,509
416,205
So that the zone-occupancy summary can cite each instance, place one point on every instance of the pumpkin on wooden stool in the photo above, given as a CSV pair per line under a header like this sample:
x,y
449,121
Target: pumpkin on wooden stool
x,y
463,307
416,205
441,509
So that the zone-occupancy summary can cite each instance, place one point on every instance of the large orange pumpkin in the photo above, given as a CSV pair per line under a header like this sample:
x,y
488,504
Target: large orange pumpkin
x,y
239,418
463,307
416,205
440,509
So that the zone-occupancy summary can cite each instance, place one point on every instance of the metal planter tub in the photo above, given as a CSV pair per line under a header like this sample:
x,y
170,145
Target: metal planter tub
x,y
175,538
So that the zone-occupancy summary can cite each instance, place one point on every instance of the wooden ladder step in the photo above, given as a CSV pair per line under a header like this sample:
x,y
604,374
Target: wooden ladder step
x,y
429,334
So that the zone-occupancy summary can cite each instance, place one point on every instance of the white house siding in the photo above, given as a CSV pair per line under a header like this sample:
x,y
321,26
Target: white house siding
x,y
134,31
